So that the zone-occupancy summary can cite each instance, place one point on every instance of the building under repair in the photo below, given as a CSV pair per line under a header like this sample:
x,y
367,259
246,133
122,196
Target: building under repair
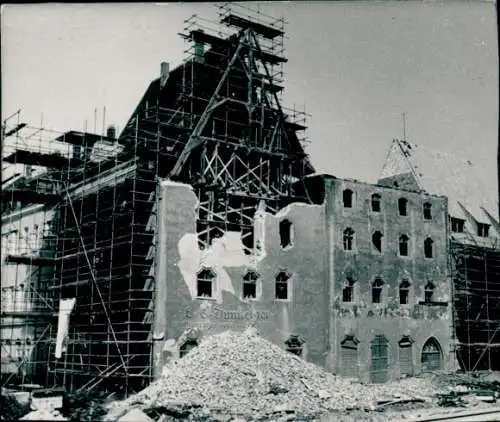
x,y
205,214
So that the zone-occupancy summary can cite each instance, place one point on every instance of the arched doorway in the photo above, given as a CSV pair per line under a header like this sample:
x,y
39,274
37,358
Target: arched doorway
x,y
380,359
406,356
432,356
349,357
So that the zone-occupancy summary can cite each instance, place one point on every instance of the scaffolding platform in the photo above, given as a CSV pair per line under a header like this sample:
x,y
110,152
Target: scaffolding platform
x,y
30,196
30,260
266,31
74,137
33,158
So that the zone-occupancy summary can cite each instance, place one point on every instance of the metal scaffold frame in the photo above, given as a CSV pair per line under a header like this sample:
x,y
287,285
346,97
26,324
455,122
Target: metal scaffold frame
x,y
216,123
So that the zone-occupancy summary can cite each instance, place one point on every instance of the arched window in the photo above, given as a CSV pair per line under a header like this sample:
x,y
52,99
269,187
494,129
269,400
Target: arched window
x,y
404,292
187,346
281,285
427,211
429,292
348,239
403,245
377,241
380,359
403,206
249,290
286,233
347,198
377,287
406,355
204,283
431,356
376,202
348,290
428,247
349,357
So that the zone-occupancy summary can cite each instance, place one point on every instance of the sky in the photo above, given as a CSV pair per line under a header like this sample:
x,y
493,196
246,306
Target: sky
x,y
357,66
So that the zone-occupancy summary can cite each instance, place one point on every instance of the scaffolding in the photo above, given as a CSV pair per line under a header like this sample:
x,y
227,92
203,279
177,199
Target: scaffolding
x,y
215,122
476,304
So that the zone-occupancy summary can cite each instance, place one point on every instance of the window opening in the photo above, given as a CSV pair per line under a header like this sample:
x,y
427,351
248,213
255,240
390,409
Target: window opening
x,y
403,245
457,225
294,344
187,346
377,240
428,247
349,356
482,229
377,286
429,292
205,282
427,211
281,288
404,292
348,290
403,206
406,356
348,239
286,233
376,202
250,285
431,356
347,198
380,359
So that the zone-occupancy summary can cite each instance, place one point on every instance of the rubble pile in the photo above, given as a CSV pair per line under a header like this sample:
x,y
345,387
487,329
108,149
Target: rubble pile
x,y
244,376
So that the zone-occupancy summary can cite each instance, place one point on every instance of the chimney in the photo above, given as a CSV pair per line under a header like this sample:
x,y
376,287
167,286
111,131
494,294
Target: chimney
x,y
111,132
164,71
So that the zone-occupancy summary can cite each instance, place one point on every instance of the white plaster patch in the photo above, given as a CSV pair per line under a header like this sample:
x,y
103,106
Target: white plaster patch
x,y
226,251
168,182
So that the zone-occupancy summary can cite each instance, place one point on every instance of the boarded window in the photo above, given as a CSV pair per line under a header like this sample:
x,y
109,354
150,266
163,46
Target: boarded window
x,y
404,292
431,356
348,239
403,206
427,211
376,202
286,233
380,359
187,346
281,286
349,357
347,198
403,245
250,285
377,241
428,248
377,287
406,356
204,285
348,290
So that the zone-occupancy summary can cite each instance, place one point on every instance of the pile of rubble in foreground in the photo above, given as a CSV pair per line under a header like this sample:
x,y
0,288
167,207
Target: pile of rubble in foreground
x,y
243,376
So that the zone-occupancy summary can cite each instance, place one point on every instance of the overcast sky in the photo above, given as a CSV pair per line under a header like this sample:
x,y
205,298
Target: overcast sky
x,y
357,66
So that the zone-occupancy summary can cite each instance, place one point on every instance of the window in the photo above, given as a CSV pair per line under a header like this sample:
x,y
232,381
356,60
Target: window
x,y
483,229
403,206
349,356
403,245
404,292
187,346
281,287
348,290
431,356
428,247
376,202
406,355
427,211
429,292
348,239
286,233
377,240
205,282
380,359
250,285
347,198
377,286
294,344
457,225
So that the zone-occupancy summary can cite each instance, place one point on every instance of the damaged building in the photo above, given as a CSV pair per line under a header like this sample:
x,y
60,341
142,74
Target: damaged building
x,y
474,244
205,214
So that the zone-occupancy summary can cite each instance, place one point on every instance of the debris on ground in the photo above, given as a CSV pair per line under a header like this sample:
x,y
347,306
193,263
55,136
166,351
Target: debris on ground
x,y
241,375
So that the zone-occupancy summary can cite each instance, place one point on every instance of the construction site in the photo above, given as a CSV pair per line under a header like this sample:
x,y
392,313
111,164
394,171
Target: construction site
x,y
122,251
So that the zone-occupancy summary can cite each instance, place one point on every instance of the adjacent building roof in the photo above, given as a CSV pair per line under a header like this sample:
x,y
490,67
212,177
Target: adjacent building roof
x,y
470,197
